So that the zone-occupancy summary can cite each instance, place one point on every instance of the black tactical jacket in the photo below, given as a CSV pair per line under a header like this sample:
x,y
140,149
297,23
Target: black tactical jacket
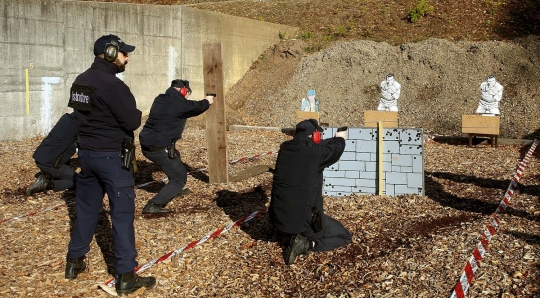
x,y
167,118
113,115
61,140
298,181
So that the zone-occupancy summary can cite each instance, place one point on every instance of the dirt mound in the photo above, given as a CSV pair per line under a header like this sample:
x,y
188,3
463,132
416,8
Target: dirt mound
x,y
440,83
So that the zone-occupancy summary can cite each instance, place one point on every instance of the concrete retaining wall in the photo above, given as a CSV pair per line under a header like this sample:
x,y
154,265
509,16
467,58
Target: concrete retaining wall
x,y
53,41
357,169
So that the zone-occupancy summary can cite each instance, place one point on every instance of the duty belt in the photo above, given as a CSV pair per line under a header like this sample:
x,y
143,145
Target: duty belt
x,y
153,149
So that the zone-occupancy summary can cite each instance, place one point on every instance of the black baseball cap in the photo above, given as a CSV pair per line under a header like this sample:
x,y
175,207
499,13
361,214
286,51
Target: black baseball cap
x,y
308,126
181,83
105,40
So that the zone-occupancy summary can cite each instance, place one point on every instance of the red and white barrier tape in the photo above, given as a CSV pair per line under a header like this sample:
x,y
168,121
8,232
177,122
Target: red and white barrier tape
x,y
466,279
430,138
34,213
136,186
108,285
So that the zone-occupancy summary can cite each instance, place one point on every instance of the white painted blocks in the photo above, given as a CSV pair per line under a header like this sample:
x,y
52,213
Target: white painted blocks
x,y
357,169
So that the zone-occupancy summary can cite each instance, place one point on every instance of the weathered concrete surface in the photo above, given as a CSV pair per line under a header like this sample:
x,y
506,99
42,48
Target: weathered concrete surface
x,y
53,40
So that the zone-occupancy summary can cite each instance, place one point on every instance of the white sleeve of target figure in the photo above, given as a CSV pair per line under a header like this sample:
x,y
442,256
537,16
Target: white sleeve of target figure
x,y
498,92
397,91
305,105
384,90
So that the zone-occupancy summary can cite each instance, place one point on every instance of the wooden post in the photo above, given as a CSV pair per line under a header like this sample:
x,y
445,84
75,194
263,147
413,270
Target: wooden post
x,y
380,156
216,128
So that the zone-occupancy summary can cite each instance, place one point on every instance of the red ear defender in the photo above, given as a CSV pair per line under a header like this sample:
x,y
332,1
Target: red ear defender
x,y
316,137
184,91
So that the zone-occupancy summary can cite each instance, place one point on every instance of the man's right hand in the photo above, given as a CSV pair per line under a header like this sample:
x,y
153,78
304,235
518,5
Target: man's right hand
x,y
342,134
210,99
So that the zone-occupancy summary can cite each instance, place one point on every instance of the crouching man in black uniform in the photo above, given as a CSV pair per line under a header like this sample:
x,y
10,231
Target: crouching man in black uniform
x,y
106,115
53,157
158,137
296,206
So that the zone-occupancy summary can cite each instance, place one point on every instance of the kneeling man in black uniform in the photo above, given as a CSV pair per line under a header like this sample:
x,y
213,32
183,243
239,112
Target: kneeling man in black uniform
x,y
296,206
165,124
53,157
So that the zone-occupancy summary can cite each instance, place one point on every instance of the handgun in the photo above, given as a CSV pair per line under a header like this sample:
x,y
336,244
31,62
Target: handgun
x,y
343,128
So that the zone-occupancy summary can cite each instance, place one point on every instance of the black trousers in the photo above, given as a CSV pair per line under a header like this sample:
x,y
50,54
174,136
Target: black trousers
x,y
333,235
176,173
101,172
63,177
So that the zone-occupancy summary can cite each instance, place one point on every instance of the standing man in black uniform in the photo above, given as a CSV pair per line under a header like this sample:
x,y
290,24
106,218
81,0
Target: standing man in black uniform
x,y
296,206
165,124
106,114
53,157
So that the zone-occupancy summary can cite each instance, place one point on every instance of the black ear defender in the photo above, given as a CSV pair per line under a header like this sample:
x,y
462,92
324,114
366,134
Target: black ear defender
x,y
111,51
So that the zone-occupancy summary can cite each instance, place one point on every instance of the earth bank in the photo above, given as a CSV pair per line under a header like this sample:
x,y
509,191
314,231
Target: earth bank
x,y
440,83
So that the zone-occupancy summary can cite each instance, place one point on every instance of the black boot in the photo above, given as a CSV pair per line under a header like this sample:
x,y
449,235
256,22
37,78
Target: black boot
x,y
298,245
128,283
74,266
153,208
40,185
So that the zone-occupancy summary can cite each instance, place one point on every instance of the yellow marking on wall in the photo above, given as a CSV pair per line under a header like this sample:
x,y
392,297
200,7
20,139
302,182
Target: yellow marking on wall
x,y
27,93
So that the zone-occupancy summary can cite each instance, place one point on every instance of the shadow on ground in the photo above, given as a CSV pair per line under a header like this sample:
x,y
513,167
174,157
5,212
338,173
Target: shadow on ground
x,y
436,192
237,205
523,18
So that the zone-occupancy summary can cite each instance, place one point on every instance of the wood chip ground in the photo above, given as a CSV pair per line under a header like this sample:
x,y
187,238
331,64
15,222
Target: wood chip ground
x,y
405,246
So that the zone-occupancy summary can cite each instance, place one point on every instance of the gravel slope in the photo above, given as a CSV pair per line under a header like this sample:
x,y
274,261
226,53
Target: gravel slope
x,y
440,83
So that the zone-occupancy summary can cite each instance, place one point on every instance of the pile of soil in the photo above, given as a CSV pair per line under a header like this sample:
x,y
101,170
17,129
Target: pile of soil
x,y
440,82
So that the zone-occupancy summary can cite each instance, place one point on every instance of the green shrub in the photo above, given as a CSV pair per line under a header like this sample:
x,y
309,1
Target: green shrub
x,y
306,35
422,9
340,30
493,6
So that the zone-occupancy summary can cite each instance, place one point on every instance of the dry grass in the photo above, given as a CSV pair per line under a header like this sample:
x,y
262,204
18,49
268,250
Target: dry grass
x,y
323,22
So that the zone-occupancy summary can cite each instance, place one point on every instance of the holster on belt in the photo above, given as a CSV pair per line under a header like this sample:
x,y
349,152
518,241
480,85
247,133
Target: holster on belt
x,y
171,149
316,220
58,161
128,154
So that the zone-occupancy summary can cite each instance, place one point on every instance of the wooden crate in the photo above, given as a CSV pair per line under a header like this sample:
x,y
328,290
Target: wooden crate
x,y
301,115
483,126
480,125
389,119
